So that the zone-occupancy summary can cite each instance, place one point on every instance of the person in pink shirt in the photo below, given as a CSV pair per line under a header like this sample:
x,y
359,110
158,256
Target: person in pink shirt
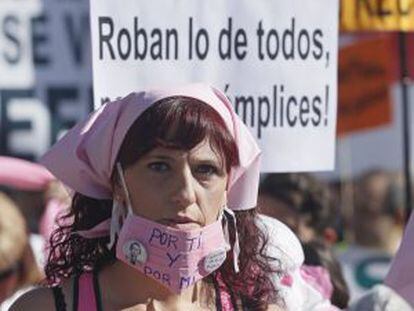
x,y
163,213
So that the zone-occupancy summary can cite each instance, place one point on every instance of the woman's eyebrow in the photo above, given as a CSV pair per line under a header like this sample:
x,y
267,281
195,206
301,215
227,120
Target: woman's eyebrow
x,y
209,160
160,156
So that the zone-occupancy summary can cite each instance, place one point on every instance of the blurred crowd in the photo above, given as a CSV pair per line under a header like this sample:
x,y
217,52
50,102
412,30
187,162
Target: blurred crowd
x,y
30,202
351,228
348,230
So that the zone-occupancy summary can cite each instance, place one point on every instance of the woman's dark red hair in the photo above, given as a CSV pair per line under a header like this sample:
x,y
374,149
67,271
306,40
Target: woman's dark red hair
x,y
177,123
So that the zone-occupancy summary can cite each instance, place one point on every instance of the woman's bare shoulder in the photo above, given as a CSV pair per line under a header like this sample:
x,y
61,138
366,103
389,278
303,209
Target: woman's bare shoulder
x,y
40,298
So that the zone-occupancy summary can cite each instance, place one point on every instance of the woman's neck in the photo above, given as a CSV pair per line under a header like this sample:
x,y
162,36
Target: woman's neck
x,y
123,287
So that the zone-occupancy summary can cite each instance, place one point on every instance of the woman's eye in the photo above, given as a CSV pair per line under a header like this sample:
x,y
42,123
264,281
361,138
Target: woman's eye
x,y
206,170
159,166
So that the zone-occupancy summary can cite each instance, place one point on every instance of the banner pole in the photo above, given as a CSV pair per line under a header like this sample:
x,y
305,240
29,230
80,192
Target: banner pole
x,y
404,82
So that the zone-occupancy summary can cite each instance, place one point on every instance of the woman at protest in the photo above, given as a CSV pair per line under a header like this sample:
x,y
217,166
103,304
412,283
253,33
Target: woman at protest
x,y
165,184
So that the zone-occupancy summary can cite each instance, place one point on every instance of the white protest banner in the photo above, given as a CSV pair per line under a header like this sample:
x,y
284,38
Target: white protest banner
x,y
16,64
45,72
275,60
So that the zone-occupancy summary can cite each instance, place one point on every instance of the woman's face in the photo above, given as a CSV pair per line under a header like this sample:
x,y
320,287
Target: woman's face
x,y
181,189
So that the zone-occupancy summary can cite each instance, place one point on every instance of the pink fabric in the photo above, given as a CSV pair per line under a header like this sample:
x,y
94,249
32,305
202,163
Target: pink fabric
x,y
48,221
84,158
174,258
99,231
23,174
318,277
287,280
86,293
401,274
225,297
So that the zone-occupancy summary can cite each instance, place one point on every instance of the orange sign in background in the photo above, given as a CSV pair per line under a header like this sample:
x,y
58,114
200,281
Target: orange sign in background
x,y
365,74
388,15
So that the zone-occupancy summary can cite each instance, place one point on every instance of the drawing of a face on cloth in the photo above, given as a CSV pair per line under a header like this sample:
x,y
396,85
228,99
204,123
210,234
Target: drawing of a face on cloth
x,y
173,205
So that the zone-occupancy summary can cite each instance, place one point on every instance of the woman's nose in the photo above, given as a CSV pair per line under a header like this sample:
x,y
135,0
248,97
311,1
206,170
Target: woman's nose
x,y
184,191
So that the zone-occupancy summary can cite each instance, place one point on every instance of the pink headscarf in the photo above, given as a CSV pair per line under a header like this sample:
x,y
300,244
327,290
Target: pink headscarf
x,y
23,175
401,274
85,157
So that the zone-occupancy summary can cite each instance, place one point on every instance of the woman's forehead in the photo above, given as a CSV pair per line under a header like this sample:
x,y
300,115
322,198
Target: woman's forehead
x,y
202,151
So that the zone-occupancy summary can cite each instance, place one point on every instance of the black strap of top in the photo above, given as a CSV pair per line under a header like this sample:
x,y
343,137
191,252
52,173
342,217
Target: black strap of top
x,y
75,292
97,291
60,303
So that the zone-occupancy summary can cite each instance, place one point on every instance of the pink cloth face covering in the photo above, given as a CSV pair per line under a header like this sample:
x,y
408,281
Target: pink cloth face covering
x,y
173,257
